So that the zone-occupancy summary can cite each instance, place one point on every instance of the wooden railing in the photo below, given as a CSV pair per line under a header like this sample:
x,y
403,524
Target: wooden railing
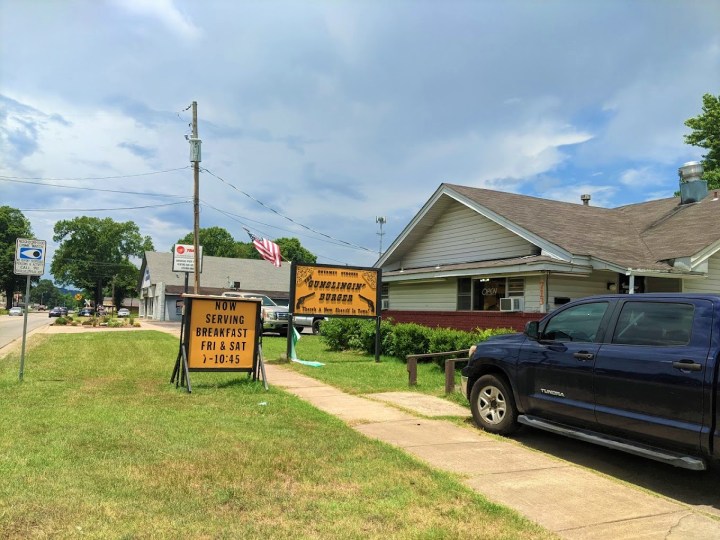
x,y
455,356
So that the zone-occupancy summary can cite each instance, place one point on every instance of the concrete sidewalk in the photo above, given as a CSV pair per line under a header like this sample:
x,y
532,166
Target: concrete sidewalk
x,y
573,502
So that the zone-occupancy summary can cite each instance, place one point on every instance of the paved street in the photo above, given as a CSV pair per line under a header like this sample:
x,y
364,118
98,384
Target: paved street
x,y
11,327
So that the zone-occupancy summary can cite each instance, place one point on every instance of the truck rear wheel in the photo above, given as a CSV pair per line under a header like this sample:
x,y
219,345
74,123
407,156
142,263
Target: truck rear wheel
x,y
493,406
316,326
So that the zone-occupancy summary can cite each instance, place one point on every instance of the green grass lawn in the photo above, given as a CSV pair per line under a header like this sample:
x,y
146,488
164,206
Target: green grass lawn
x,y
96,443
358,373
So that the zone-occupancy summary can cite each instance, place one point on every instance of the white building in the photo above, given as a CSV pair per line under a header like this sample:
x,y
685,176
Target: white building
x,y
161,288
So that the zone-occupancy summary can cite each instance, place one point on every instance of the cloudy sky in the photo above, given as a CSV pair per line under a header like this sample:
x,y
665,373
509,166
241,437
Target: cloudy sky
x,y
332,113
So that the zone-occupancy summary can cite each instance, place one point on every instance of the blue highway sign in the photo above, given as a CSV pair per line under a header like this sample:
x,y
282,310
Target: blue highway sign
x,y
29,257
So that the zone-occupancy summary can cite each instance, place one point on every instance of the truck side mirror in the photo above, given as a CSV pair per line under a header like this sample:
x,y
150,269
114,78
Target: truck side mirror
x,y
531,330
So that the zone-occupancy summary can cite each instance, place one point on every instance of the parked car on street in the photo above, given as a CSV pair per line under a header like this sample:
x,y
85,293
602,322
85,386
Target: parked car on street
x,y
123,312
58,312
634,372
15,311
86,312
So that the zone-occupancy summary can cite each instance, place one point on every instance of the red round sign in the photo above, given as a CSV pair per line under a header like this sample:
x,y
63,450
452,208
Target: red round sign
x,y
180,250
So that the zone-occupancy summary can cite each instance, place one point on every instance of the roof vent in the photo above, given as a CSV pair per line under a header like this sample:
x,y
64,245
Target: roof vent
x,y
585,198
692,187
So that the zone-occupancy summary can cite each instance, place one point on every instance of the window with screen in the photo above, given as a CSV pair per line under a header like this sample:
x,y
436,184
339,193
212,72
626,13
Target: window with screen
x,y
516,287
464,295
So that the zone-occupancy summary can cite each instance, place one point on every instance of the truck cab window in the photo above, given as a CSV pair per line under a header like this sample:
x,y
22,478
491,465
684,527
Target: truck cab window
x,y
659,324
578,323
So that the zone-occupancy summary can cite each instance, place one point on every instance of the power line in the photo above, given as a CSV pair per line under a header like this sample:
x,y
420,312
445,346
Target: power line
x,y
99,209
239,219
78,179
235,216
4,179
284,216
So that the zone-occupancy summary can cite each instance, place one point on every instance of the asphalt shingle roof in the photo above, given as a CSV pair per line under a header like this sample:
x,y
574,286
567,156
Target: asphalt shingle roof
x,y
635,236
220,273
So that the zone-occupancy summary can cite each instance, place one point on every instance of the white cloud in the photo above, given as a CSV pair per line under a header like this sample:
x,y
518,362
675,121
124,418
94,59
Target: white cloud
x,y
164,11
336,112
640,177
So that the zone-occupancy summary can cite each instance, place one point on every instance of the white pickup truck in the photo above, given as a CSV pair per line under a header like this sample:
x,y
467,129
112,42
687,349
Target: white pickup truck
x,y
274,316
309,321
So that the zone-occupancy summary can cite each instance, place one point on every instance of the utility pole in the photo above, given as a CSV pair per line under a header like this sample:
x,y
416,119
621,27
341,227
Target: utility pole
x,y
381,221
195,159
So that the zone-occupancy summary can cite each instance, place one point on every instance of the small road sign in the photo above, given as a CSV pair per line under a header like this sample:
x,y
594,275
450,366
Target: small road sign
x,y
184,258
29,257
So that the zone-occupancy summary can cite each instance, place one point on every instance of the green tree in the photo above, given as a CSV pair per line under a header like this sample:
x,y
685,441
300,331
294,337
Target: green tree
x,y
46,293
93,251
292,250
706,134
124,284
215,242
245,250
13,225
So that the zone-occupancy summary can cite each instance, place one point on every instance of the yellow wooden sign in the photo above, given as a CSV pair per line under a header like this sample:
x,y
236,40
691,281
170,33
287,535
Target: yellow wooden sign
x,y
222,333
335,291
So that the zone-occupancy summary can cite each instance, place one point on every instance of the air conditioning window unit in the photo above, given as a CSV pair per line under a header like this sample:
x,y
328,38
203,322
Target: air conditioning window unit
x,y
385,303
512,304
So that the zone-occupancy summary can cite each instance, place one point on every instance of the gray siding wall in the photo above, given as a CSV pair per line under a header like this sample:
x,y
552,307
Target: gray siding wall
x,y
532,294
442,295
578,287
433,296
711,284
462,235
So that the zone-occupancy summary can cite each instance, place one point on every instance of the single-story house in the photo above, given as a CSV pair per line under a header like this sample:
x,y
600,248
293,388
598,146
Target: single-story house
x,y
161,288
474,257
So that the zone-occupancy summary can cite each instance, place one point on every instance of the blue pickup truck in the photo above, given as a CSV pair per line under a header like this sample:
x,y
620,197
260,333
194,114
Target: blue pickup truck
x,y
638,373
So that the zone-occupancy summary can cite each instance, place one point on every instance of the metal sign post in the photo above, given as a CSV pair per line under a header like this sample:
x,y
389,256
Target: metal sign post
x,y
29,261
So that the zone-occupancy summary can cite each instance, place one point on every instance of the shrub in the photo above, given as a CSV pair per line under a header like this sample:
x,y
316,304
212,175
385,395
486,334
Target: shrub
x,y
61,321
448,339
364,339
400,340
484,333
409,338
338,333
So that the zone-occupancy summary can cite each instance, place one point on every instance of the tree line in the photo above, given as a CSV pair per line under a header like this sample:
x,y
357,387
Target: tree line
x,y
94,255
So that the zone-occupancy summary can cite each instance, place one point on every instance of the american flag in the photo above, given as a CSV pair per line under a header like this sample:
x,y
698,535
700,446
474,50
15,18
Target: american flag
x,y
269,250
